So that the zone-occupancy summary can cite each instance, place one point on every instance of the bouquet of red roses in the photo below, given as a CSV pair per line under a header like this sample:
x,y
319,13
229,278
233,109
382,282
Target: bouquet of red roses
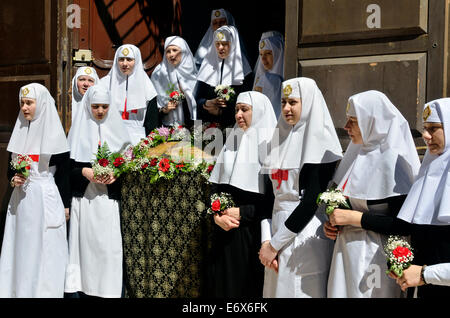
x,y
102,165
220,202
399,255
174,94
22,165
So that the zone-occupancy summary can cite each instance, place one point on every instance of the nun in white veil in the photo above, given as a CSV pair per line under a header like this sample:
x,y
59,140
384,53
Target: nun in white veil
x,y
84,78
219,17
132,92
224,64
235,270
34,252
95,242
177,70
376,173
303,155
427,207
269,69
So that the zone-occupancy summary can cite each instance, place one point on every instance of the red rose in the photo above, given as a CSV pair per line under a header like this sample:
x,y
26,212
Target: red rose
x,y
401,251
210,168
213,125
146,141
28,167
144,166
118,162
225,91
103,162
180,127
174,93
164,165
216,205
180,166
153,162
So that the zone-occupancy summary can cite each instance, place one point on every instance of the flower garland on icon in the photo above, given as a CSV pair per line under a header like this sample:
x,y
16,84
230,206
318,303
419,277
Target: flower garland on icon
x,y
137,158
399,255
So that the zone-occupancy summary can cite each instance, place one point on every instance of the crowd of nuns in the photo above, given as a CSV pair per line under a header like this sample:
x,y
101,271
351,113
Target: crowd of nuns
x,y
63,228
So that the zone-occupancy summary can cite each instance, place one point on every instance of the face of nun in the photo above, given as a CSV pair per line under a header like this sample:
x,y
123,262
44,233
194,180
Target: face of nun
x,y
126,65
291,109
223,49
434,137
28,107
217,23
266,59
173,54
353,130
83,83
243,115
99,111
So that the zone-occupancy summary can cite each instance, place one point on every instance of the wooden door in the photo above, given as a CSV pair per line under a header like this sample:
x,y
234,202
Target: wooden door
x,y
349,46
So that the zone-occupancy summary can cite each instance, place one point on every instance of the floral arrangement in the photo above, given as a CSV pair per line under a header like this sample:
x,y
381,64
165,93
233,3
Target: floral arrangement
x,y
333,198
174,94
220,202
22,164
399,255
102,165
224,92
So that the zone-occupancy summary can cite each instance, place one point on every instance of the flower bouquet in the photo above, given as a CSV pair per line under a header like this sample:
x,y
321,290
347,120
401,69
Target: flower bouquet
x,y
220,202
333,198
399,255
175,95
22,164
224,92
102,165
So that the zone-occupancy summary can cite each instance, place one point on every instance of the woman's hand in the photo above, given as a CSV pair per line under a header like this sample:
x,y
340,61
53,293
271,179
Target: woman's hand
x,y
88,173
67,213
345,217
213,106
234,212
169,107
410,278
106,179
330,231
226,222
267,255
18,180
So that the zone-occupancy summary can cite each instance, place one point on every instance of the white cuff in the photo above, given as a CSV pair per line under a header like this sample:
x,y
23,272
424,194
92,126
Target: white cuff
x,y
266,230
438,274
282,237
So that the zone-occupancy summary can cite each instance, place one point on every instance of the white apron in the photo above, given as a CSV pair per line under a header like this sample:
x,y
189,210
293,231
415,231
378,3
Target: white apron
x,y
95,245
304,261
135,125
359,263
34,252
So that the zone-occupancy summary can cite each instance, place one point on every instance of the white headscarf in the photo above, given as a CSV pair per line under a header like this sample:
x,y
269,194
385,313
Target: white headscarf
x,y
86,132
184,73
239,162
207,39
274,42
313,139
235,67
76,95
428,202
140,88
44,134
387,162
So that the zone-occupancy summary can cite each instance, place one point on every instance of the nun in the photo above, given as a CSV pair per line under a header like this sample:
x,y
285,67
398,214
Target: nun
x,y
132,92
34,251
219,17
235,270
376,174
303,155
427,208
95,241
224,64
270,67
84,78
176,72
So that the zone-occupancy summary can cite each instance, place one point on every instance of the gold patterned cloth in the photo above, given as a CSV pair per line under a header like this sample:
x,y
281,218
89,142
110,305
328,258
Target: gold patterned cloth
x,y
166,235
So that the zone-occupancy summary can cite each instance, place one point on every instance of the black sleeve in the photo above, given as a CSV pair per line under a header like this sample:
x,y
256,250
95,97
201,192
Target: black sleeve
x,y
314,179
62,176
260,206
386,224
202,93
11,171
77,181
152,119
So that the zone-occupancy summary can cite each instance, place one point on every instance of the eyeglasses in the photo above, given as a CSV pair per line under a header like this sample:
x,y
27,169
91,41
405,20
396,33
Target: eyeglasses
x,y
432,129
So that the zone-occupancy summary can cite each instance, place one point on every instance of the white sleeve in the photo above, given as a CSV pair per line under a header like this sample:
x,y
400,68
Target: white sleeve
x,y
282,237
266,230
438,274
